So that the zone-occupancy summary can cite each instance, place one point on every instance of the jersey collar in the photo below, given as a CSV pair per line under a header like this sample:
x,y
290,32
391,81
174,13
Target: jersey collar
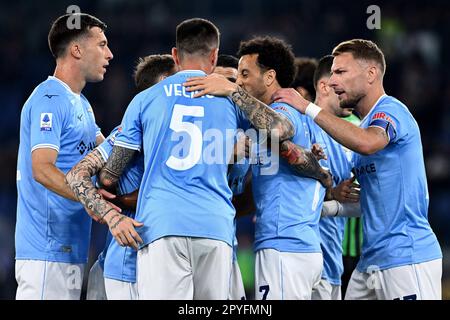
x,y
376,103
63,84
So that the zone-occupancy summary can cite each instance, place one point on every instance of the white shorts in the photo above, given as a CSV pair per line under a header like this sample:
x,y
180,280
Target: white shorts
x,y
45,280
184,268
237,291
120,290
411,282
96,283
326,291
286,275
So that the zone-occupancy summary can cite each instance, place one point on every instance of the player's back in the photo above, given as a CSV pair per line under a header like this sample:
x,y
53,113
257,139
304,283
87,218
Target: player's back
x,y
394,193
48,225
187,143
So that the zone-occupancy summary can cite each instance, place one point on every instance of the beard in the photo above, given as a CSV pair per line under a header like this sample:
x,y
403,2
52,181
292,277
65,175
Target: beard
x,y
351,102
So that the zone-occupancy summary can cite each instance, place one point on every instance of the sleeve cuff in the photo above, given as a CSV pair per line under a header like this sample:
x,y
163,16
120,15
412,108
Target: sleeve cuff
x,y
45,146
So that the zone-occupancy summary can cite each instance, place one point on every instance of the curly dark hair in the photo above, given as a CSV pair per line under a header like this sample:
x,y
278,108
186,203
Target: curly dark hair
x,y
273,53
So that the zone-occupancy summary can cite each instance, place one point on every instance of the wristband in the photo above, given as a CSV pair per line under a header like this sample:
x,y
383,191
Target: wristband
x,y
312,110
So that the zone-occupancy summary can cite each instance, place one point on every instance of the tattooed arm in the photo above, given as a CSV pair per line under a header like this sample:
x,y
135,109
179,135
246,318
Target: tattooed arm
x,y
117,162
260,115
79,180
305,163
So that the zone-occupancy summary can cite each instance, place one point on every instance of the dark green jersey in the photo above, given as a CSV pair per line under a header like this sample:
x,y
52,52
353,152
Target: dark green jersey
x,y
353,235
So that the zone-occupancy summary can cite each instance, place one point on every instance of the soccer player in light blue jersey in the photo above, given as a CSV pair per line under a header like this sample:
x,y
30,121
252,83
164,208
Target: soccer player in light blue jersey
x,y
401,257
113,275
57,129
287,245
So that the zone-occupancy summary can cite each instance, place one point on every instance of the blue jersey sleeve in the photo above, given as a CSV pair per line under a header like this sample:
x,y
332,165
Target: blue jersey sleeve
x,y
131,135
47,119
105,148
387,118
290,113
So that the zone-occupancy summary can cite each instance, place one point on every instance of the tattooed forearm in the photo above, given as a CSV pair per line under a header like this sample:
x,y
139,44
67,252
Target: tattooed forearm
x,y
79,180
117,162
262,116
304,162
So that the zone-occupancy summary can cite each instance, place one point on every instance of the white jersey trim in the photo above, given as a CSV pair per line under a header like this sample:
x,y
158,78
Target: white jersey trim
x,y
127,145
45,146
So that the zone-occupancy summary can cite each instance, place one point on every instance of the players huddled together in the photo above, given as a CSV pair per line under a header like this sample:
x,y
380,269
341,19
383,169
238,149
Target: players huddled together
x,y
328,163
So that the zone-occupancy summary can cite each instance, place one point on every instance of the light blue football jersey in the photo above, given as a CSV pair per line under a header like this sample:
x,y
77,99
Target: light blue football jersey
x,y
187,144
287,206
50,227
332,228
119,263
394,193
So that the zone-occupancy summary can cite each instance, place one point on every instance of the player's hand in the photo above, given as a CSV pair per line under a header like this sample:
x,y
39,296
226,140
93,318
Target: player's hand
x,y
347,191
292,98
123,229
318,152
213,84
129,200
326,179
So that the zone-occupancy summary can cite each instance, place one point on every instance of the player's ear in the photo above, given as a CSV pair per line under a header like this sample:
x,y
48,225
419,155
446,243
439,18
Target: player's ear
x,y
324,88
213,56
269,77
75,50
372,74
175,57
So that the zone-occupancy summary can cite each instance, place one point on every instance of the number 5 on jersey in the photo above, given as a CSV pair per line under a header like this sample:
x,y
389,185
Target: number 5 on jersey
x,y
178,125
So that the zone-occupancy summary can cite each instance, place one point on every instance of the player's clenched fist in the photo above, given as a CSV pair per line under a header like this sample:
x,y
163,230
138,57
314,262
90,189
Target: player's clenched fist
x,y
123,230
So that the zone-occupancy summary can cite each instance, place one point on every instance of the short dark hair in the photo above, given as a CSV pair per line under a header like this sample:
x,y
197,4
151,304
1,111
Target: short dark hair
x,y
362,49
196,36
273,53
304,77
227,61
323,69
150,68
60,35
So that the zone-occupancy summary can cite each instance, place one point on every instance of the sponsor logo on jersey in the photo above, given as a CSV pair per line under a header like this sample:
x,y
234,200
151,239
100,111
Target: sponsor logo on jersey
x,y
50,95
383,116
82,147
46,121
365,169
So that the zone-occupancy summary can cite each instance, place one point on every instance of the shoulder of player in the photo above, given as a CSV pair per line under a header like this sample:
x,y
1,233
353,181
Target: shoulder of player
x,y
391,107
50,92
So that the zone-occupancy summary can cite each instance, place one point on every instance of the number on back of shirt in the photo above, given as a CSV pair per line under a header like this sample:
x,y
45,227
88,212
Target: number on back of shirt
x,y
195,134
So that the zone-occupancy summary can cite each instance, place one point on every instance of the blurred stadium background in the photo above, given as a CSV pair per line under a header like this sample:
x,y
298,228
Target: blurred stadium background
x,y
414,36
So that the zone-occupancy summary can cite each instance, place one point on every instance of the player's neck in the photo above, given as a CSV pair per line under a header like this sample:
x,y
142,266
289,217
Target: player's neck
x,y
196,65
366,104
267,96
71,76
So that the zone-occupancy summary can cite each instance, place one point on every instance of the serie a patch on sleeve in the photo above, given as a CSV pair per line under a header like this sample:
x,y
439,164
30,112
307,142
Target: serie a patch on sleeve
x,y
46,121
